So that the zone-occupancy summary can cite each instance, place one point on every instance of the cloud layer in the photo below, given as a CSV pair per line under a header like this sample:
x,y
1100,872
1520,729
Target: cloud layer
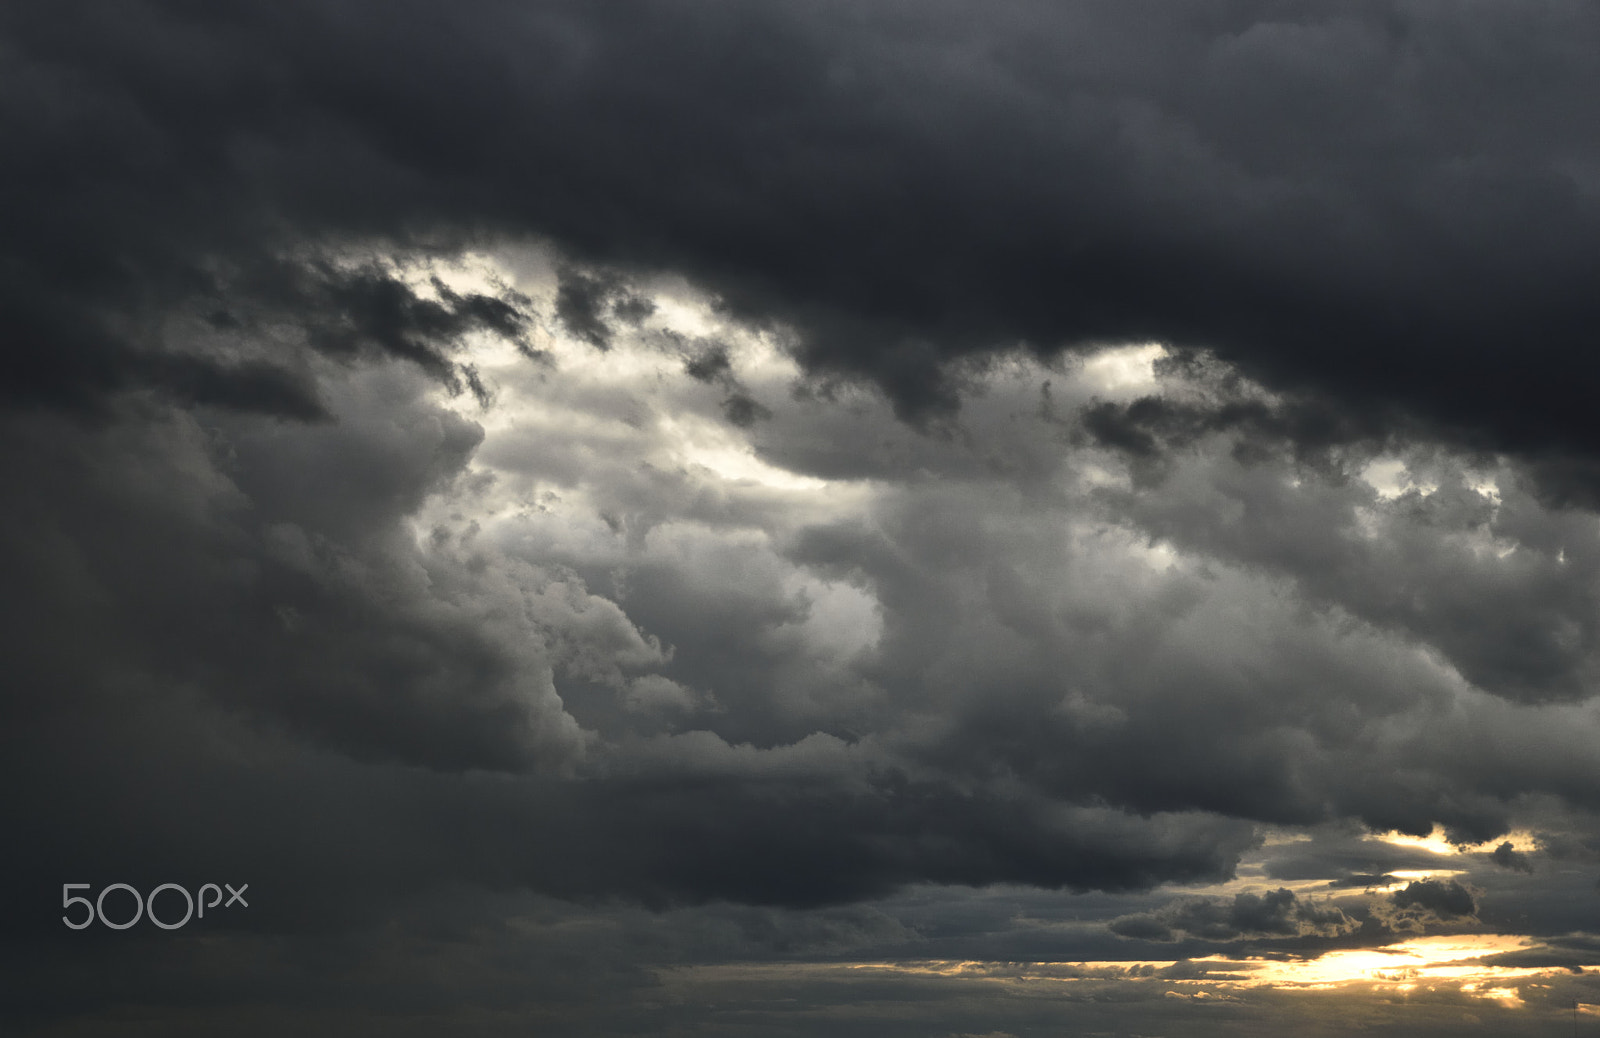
x,y
746,487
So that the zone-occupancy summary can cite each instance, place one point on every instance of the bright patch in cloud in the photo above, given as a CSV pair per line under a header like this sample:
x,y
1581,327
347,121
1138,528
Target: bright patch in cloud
x,y
1123,368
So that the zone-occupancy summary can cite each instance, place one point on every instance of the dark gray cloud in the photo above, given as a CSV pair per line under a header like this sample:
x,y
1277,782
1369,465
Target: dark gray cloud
x,y
907,187
1442,897
272,570
372,643
598,490
1474,572
1365,880
586,303
1508,857
1277,913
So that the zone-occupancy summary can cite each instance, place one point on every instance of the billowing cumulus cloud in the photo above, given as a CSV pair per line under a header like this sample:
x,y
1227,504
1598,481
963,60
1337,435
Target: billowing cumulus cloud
x,y
587,635
866,506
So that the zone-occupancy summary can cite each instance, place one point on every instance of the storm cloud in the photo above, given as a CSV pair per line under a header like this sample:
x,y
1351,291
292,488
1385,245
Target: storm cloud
x,y
654,495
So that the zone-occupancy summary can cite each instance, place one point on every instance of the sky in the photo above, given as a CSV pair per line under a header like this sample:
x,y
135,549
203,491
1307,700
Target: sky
x,y
943,520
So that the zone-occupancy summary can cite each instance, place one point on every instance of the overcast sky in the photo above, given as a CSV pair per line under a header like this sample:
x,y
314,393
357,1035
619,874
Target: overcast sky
x,y
949,519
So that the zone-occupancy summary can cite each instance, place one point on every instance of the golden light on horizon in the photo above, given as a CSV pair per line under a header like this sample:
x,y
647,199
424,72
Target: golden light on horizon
x,y
1431,964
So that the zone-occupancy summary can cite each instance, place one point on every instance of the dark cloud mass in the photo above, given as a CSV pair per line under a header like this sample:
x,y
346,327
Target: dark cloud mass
x,y
745,518
1508,857
1277,913
1442,897
1316,191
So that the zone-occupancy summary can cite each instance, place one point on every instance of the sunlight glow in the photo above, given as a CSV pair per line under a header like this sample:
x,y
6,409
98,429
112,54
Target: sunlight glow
x,y
1435,842
1440,962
